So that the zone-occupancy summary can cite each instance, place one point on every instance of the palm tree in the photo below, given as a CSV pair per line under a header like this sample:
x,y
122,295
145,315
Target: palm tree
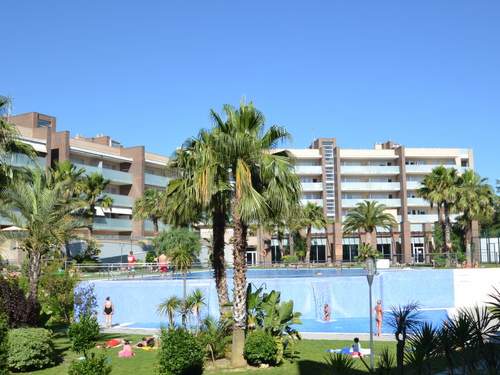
x,y
475,201
311,216
46,217
263,185
440,188
93,187
366,217
196,301
150,206
202,186
404,320
9,144
169,307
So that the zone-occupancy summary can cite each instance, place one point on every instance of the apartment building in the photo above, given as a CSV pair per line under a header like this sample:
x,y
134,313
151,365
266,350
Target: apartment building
x,y
338,178
130,170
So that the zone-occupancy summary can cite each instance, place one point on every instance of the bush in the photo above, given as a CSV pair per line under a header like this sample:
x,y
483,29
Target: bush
x,y
14,304
83,334
94,364
260,347
4,330
150,257
215,337
339,364
180,353
288,259
30,349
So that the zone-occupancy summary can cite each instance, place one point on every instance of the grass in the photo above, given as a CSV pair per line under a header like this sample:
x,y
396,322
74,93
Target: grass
x,y
311,359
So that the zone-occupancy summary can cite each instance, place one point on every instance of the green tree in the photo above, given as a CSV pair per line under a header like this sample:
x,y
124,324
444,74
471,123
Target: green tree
x,y
169,307
92,188
181,245
9,144
476,202
150,206
440,188
311,216
366,217
263,185
46,218
196,301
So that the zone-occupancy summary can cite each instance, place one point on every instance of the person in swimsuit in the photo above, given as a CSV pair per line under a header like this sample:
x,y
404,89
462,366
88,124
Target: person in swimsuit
x,y
163,263
379,315
131,261
108,312
127,351
326,312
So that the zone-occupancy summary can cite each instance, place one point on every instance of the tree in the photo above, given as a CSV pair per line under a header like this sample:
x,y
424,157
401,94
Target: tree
x,y
202,186
92,188
366,217
196,301
150,206
404,320
440,188
476,202
46,218
181,245
9,144
263,185
169,308
311,216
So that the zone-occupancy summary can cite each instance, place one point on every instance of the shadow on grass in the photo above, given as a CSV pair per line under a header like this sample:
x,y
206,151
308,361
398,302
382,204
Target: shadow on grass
x,y
307,367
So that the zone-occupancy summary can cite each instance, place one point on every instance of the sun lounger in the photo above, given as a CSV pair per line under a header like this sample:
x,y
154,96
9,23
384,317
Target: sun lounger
x,y
364,352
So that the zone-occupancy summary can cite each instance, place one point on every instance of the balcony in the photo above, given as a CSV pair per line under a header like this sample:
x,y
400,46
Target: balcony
x,y
312,186
319,202
115,176
23,161
121,200
427,168
370,186
391,203
417,202
369,170
422,219
413,185
313,170
149,227
106,223
155,180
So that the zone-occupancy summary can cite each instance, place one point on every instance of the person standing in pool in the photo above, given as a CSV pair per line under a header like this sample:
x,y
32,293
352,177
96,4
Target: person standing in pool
x,y
379,316
327,311
108,312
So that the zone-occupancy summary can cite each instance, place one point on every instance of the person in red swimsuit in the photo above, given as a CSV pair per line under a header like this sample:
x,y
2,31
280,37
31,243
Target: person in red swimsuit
x,y
131,261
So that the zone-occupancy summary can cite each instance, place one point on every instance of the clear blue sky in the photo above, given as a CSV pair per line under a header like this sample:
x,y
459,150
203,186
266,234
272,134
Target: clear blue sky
x,y
421,73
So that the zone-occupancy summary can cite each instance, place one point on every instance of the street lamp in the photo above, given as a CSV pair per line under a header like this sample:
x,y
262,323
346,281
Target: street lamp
x,y
371,269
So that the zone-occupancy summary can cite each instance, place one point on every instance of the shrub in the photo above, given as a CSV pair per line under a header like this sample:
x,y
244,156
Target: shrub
x,y
57,295
386,362
339,364
94,364
260,347
288,259
150,257
180,353
83,334
85,301
30,349
14,304
4,330
215,337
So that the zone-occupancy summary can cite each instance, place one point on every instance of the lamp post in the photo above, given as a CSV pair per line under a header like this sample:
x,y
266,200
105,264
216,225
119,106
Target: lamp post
x,y
370,275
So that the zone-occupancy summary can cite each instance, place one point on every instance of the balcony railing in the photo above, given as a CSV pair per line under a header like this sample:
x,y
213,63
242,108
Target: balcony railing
x,y
121,200
350,203
370,186
308,169
149,227
413,185
106,223
427,168
155,180
319,202
312,186
421,219
110,174
369,170
417,202
23,161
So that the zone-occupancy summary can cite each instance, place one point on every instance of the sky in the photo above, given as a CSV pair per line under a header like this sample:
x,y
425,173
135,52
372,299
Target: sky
x,y
420,73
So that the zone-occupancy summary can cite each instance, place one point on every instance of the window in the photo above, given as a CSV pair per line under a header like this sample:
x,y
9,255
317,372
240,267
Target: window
x,y
464,163
349,253
43,123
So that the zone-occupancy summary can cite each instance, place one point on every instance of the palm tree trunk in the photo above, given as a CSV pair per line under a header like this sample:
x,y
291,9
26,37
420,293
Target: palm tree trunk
x,y
280,246
92,216
240,288
155,224
468,241
400,353
35,264
308,244
290,242
447,229
218,263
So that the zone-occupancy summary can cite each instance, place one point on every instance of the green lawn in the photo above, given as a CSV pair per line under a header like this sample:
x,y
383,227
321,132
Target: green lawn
x,y
311,361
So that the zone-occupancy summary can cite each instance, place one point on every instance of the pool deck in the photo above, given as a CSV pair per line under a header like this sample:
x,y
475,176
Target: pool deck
x,y
305,335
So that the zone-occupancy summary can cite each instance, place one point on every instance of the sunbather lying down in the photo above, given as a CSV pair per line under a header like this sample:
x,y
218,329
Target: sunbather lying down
x,y
150,342
113,343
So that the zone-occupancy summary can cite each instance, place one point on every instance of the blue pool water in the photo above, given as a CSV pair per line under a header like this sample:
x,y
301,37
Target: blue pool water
x,y
346,292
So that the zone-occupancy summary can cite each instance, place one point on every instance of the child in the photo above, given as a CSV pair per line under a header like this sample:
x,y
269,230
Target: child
x,y
356,347
127,351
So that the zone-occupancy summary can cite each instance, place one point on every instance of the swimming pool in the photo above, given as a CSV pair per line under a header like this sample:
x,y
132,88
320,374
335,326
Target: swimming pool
x,y
345,291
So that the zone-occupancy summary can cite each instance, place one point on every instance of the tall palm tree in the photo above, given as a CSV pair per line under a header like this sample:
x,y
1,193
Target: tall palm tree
x,y
263,184
9,144
366,217
92,188
475,201
46,218
202,185
150,206
311,216
440,188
